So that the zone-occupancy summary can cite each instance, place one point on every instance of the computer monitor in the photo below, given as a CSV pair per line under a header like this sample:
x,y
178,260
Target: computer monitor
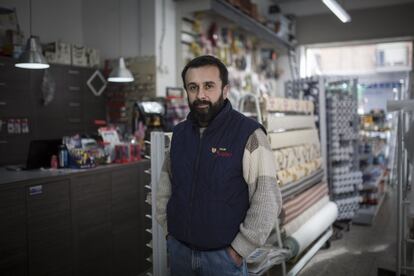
x,y
40,153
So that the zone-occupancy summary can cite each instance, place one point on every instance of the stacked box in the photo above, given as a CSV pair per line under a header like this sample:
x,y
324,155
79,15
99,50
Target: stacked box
x,y
93,57
79,57
58,52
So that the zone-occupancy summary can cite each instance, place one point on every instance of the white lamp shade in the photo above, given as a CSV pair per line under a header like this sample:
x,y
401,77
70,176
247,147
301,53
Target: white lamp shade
x,y
120,73
32,57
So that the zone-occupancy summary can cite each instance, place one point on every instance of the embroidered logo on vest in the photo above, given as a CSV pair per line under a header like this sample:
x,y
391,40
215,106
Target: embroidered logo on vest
x,y
221,152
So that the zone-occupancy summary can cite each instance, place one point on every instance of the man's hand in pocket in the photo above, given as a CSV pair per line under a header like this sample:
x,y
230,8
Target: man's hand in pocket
x,y
238,260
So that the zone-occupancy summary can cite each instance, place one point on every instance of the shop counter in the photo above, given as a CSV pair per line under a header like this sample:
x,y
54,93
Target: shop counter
x,y
12,175
75,222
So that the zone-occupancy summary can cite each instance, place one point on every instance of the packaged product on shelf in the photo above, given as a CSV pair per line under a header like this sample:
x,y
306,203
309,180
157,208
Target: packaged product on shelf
x,y
58,52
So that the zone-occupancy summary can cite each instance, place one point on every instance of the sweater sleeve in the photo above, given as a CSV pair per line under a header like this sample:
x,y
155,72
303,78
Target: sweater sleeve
x,y
259,172
163,193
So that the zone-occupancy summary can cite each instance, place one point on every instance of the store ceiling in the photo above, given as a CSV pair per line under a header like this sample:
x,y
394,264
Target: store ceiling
x,y
311,7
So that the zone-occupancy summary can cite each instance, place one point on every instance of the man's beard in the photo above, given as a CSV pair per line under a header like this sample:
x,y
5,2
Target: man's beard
x,y
205,115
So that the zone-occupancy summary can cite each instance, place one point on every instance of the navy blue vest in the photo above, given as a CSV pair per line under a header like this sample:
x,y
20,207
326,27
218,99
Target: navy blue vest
x,y
209,196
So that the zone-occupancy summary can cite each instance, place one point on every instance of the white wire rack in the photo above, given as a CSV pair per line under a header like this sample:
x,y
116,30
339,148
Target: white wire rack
x,y
405,110
158,243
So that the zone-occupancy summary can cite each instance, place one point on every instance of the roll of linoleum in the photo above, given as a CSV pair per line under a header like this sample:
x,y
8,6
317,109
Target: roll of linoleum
x,y
295,224
290,122
312,229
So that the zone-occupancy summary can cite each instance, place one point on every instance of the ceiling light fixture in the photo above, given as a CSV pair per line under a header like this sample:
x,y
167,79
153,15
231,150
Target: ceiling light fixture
x,y
120,73
338,10
32,57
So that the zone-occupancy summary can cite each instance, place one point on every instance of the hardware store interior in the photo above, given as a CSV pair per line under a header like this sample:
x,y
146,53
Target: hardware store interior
x,y
90,92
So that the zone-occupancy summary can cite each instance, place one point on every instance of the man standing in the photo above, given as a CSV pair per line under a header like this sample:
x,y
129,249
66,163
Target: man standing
x,y
218,198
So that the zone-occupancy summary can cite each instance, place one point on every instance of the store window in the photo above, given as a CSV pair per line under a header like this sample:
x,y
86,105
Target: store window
x,y
357,59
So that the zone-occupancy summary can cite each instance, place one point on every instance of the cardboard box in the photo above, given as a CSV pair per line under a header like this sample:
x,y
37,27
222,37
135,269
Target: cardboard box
x,y
254,11
57,52
93,56
245,6
79,57
11,44
235,3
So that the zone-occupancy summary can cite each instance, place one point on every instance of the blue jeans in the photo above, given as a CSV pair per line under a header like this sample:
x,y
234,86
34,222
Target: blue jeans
x,y
184,261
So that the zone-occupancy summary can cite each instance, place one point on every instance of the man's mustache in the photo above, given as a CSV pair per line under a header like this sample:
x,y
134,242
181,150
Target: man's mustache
x,y
200,102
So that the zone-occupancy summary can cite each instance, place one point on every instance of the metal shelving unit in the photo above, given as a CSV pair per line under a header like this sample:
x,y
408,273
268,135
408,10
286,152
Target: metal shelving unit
x,y
405,109
312,89
248,23
224,11
323,91
235,15
290,189
344,176
158,243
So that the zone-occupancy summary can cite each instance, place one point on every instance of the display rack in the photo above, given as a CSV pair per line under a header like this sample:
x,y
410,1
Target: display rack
x,y
377,125
148,215
405,110
231,13
244,44
344,176
373,194
312,89
335,100
377,143
374,161
373,164
303,122
291,129
158,245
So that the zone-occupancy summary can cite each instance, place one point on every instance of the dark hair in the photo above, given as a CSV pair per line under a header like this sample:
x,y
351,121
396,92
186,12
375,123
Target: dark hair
x,y
205,61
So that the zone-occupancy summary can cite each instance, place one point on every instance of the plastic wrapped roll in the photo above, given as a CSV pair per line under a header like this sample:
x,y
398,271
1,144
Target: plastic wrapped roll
x,y
290,122
293,138
295,224
294,207
312,229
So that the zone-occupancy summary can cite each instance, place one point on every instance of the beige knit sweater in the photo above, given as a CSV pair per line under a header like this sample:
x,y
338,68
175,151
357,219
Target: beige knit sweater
x,y
264,194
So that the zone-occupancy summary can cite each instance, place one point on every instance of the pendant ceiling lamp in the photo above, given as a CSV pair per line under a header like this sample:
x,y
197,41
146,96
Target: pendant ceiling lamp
x,y
32,57
120,73
338,10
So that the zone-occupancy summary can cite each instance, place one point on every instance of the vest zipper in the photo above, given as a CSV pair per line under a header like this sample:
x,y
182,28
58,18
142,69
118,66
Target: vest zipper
x,y
193,186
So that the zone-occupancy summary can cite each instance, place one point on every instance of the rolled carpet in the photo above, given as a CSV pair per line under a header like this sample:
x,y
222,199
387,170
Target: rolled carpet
x,y
295,224
293,138
312,229
290,122
297,205
292,189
